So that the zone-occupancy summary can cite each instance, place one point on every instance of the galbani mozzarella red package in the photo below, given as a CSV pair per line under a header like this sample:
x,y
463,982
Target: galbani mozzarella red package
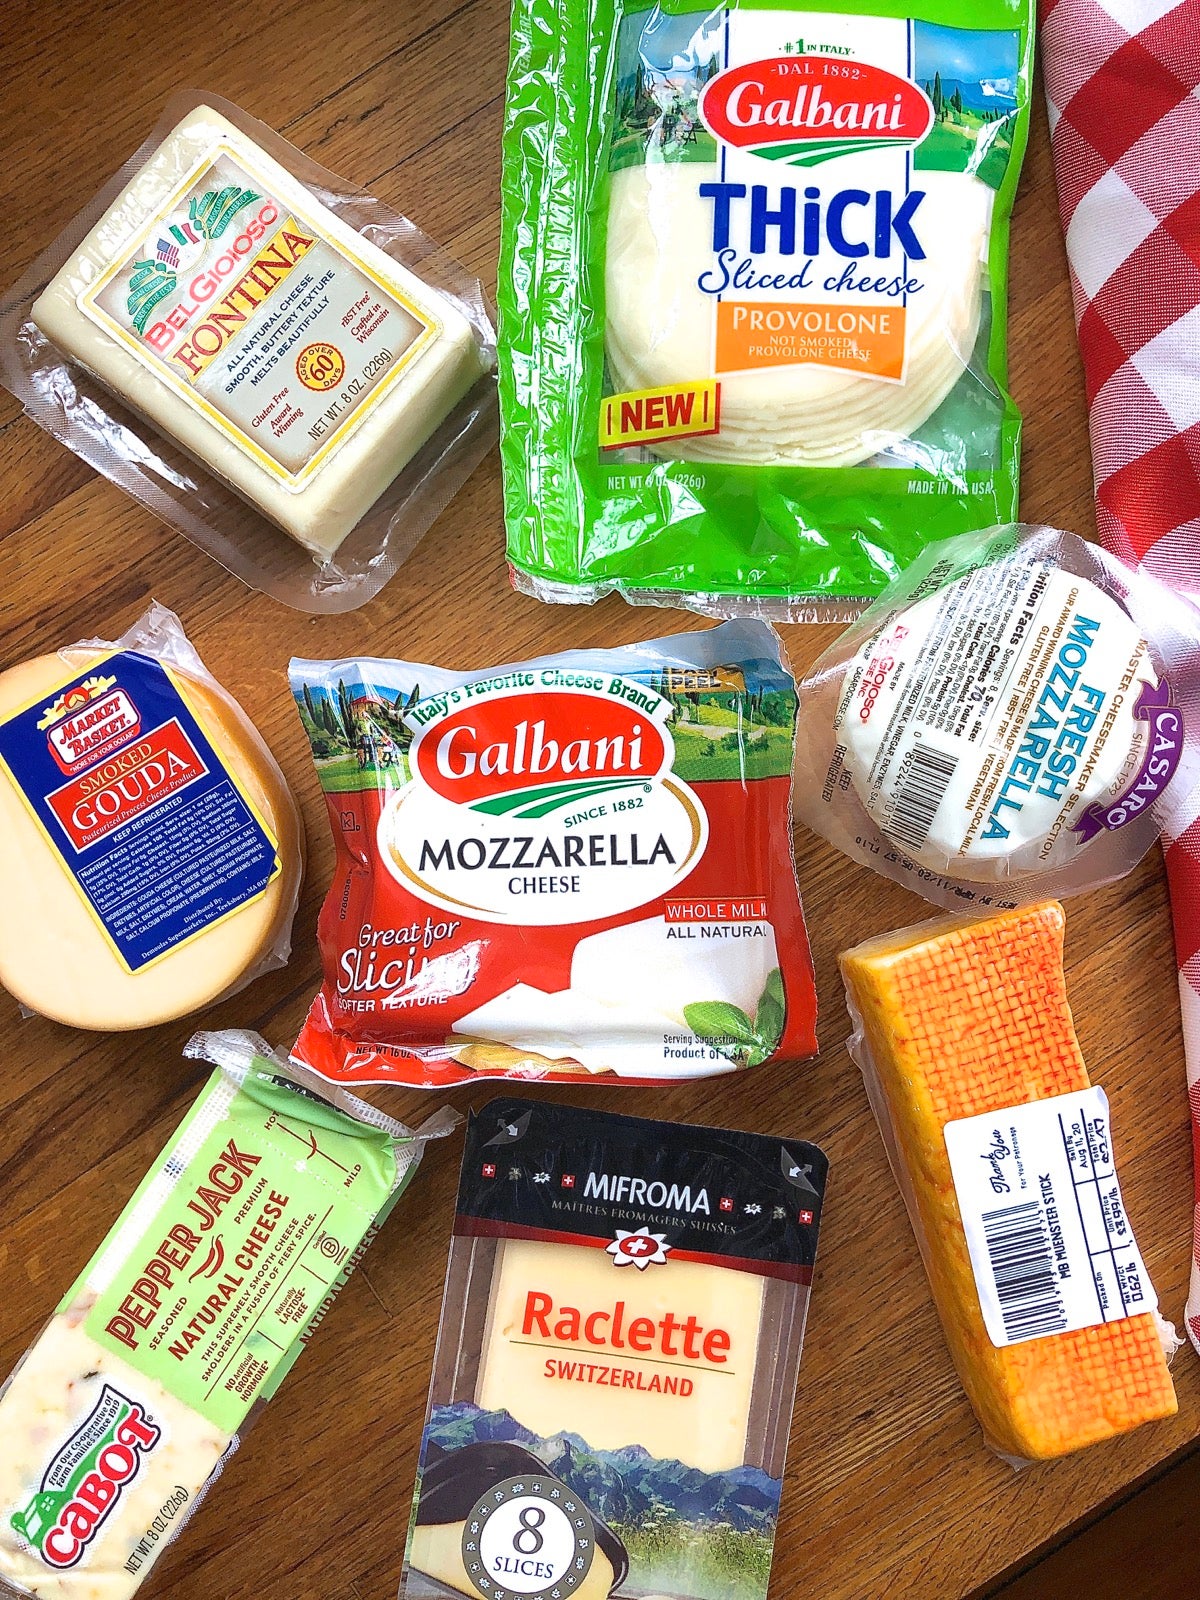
x,y
580,865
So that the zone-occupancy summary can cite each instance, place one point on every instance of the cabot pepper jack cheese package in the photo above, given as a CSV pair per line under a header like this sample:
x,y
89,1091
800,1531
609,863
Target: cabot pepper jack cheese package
x,y
578,865
619,1346
191,1313
753,294
150,849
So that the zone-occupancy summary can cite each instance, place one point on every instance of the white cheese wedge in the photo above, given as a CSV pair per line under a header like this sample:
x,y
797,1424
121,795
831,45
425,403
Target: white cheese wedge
x,y
668,966
702,1422
660,325
53,955
223,300
56,1405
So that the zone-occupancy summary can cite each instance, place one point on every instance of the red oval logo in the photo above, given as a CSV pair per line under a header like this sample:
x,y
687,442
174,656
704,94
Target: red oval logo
x,y
808,109
567,745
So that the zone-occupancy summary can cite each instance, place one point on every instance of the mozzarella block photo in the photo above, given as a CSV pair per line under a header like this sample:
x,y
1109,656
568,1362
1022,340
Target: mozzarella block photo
x,y
222,299
665,967
578,865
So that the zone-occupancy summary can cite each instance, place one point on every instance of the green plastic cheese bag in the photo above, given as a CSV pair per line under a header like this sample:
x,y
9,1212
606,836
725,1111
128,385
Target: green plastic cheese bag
x,y
753,291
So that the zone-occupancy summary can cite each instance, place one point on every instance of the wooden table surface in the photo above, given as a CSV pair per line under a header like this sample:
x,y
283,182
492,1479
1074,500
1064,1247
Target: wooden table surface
x,y
889,1488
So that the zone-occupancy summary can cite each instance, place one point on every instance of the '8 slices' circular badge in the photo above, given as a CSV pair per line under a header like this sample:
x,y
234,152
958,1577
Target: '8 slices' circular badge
x,y
528,1538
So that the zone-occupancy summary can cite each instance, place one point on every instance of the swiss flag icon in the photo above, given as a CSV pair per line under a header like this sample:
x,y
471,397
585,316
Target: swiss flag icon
x,y
489,1169
568,1180
806,1217
726,1202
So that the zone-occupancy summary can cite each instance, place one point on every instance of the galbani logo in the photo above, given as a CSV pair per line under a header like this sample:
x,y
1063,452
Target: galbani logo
x,y
807,109
542,802
527,755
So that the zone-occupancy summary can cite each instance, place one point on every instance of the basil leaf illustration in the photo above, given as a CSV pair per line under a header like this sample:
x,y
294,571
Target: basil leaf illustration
x,y
768,1019
720,1023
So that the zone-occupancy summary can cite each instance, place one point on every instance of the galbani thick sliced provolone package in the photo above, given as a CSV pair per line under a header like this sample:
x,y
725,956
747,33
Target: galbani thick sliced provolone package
x,y
617,1359
578,865
191,1313
1004,722
753,294
150,849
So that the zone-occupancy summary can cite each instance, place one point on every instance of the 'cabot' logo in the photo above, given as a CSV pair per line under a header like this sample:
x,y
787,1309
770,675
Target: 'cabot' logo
x,y
84,1482
806,109
526,755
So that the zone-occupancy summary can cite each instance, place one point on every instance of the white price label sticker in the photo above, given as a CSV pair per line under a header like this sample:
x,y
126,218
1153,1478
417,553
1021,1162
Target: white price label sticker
x,y
1051,1246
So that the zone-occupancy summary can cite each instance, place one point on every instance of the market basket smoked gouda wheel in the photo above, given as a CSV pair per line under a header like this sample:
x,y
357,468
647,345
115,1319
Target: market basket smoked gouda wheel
x,y
55,957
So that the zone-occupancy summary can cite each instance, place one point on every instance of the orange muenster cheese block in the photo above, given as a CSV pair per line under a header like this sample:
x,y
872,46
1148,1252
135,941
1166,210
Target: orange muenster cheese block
x,y
963,1017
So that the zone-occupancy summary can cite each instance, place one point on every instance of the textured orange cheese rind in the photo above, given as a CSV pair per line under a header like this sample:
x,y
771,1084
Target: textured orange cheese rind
x,y
954,1018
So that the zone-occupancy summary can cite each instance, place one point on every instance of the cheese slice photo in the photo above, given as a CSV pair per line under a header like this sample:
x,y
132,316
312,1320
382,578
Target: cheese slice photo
x,y
662,327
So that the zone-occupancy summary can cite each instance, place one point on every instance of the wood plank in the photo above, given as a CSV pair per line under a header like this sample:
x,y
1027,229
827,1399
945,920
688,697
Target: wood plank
x,y
1147,1539
889,1487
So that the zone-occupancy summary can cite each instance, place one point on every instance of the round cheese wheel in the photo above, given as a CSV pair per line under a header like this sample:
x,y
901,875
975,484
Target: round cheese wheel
x,y
660,326
54,957
984,719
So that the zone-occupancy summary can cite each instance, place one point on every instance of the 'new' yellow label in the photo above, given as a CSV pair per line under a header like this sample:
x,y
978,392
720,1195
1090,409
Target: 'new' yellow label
x,y
644,415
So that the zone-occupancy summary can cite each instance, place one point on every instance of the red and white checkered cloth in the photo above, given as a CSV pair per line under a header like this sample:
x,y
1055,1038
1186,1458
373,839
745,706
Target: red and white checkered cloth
x,y
1123,84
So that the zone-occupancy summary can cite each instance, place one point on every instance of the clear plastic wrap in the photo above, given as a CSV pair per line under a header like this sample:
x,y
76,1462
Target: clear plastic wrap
x,y
753,283
1004,722
248,344
121,1415
151,852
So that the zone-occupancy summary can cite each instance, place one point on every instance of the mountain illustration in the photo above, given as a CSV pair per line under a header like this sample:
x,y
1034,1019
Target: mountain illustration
x,y
996,96
623,1486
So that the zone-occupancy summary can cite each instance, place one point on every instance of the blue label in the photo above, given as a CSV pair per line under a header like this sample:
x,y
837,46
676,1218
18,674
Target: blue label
x,y
138,805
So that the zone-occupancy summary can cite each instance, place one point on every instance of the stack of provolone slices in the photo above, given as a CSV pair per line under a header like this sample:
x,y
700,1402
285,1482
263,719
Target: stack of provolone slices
x,y
660,325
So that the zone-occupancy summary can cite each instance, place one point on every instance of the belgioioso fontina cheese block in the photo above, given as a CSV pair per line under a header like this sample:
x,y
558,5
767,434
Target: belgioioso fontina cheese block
x,y
577,865
150,851
226,302
617,1357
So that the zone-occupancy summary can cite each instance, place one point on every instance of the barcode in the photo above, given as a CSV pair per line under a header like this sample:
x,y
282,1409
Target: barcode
x,y
1023,1271
919,794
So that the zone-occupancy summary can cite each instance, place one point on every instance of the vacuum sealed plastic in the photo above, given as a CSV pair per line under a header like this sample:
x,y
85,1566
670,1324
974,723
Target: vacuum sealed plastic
x,y
617,1359
1004,1153
1004,722
569,867
753,290
190,1314
151,852
248,345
